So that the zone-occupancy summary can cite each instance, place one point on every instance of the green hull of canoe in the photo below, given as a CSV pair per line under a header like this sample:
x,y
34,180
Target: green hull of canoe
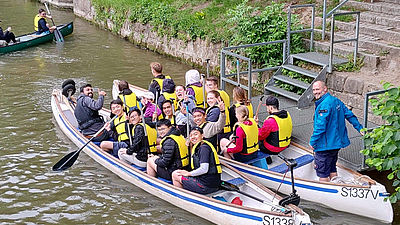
x,y
65,30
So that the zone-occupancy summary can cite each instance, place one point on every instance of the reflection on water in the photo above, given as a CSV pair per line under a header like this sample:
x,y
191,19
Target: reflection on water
x,y
31,142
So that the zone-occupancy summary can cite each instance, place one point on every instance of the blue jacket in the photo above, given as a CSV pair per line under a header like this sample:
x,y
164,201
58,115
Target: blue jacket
x,y
329,124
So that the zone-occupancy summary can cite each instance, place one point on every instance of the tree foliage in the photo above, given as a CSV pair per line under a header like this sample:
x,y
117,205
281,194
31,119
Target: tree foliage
x,y
383,143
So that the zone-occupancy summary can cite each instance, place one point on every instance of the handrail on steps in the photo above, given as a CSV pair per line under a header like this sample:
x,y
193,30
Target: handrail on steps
x,y
326,15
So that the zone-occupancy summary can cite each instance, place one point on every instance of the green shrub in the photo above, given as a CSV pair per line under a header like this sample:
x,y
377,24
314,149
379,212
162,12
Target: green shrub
x,y
383,143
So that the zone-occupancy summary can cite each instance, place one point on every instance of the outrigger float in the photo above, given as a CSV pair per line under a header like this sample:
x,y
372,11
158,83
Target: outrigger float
x,y
259,204
352,192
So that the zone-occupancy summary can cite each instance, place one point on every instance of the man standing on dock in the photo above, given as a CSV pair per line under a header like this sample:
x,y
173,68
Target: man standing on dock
x,y
330,133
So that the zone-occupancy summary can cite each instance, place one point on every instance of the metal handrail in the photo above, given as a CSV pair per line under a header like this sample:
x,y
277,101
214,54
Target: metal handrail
x,y
227,51
355,39
325,15
289,26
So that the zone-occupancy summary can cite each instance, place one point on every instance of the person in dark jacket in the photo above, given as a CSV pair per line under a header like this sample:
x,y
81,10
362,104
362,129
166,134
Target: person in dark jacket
x,y
213,110
126,95
87,115
156,85
137,152
40,24
330,133
7,35
175,153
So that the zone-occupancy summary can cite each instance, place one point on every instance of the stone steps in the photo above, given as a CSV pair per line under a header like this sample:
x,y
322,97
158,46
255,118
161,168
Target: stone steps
x,y
390,34
378,7
380,19
370,60
389,1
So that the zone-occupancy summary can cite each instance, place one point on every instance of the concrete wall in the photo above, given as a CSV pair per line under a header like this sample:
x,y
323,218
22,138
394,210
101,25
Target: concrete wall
x,y
66,4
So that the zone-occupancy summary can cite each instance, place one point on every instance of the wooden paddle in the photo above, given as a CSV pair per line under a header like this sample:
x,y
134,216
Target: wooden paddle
x,y
145,130
57,33
68,160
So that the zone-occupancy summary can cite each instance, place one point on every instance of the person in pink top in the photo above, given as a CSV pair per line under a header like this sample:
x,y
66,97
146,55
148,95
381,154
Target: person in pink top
x,y
276,132
246,138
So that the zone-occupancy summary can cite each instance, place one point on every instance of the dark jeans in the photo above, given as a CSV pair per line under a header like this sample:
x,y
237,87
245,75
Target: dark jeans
x,y
8,36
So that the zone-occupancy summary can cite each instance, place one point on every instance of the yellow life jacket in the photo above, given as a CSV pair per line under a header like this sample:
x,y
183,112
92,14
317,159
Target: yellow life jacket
x,y
214,165
170,119
151,137
226,99
250,144
282,137
183,149
170,96
120,127
160,81
36,22
198,95
130,101
250,107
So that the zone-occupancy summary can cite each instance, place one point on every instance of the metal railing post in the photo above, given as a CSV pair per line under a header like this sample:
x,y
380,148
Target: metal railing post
x,y
222,71
249,82
357,35
331,46
289,30
312,28
323,20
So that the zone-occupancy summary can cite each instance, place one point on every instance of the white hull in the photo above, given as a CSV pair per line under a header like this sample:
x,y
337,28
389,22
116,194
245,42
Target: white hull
x,y
216,211
365,201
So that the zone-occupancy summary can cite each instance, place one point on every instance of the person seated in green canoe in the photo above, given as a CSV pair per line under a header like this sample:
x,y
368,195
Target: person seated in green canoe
x,y
205,176
175,153
40,24
7,35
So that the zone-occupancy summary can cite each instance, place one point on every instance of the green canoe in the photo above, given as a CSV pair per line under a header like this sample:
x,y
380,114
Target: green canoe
x,y
31,39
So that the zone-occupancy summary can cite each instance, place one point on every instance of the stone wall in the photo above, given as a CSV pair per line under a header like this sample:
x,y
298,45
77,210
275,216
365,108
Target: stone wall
x,y
348,88
193,52
66,4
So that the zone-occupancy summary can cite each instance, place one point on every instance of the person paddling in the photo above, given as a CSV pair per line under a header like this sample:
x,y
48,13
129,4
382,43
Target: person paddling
x,y
40,24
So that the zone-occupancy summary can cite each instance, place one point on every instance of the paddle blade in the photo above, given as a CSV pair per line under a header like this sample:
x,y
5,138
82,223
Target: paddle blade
x,y
58,35
67,161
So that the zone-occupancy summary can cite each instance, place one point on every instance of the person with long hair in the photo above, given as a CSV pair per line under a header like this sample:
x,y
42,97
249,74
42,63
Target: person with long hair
x,y
239,98
244,145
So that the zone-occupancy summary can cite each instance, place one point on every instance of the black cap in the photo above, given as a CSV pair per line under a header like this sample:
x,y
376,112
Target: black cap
x,y
198,129
271,100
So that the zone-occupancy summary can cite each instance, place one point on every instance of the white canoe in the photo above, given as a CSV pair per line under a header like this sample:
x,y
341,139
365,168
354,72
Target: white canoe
x,y
352,193
207,207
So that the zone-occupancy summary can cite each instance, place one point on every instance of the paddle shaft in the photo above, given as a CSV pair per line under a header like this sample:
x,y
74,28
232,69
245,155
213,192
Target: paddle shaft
x,y
204,91
156,112
57,33
144,127
187,123
78,151
208,67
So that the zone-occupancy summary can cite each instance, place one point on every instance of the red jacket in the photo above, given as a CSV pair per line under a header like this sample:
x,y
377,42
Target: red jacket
x,y
269,126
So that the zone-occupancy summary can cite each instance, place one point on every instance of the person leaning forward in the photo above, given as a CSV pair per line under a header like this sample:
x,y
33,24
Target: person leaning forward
x,y
7,35
330,133
87,115
175,153
276,132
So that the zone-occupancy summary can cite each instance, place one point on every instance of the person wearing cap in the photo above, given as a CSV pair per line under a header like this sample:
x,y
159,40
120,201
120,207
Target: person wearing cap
x,y
117,129
211,129
205,174
194,86
141,145
175,153
126,95
330,132
149,108
243,146
276,132
40,24
7,35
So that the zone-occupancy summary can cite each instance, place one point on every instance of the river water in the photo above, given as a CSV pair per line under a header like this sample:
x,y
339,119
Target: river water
x,y
31,142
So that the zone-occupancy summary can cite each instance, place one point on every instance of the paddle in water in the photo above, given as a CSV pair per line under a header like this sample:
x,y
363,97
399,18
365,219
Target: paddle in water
x,y
57,33
68,160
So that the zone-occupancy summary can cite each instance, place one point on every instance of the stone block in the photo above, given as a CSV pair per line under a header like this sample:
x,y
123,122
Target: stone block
x,y
354,85
336,81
